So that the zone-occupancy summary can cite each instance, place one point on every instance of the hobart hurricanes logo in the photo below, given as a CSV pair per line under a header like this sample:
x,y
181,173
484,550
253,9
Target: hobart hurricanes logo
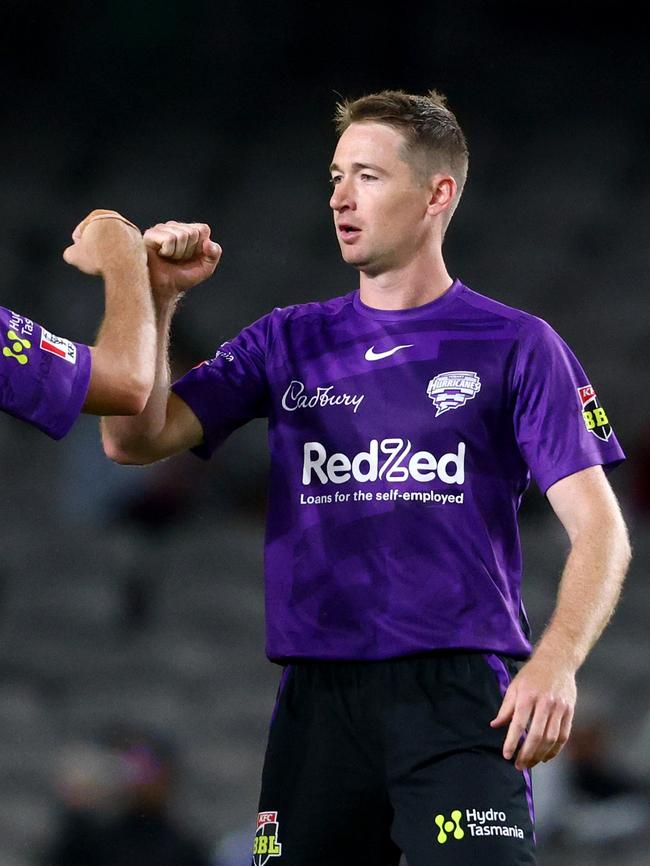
x,y
479,822
391,459
452,390
593,414
266,843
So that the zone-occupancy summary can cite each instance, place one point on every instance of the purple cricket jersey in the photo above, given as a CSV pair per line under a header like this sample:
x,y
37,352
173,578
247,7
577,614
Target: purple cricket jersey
x,y
43,378
401,444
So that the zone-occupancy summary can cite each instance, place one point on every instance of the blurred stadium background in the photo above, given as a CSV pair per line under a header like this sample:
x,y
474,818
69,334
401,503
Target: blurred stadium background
x,y
133,597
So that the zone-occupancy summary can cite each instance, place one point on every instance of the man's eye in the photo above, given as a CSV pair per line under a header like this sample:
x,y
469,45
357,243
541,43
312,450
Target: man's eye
x,y
365,176
335,180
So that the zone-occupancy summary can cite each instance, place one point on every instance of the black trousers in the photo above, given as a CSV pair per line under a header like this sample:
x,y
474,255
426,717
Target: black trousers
x,y
369,760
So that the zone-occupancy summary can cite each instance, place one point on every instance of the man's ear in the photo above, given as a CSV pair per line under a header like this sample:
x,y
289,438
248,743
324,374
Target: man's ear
x,y
442,192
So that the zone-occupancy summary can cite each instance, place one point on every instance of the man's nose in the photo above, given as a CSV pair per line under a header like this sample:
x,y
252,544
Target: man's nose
x,y
342,198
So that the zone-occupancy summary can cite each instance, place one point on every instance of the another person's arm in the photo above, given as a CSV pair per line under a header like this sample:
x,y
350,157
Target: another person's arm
x,y
48,380
542,697
180,256
122,368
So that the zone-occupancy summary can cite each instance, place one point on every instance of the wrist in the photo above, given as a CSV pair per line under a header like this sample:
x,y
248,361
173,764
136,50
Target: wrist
x,y
558,651
115,263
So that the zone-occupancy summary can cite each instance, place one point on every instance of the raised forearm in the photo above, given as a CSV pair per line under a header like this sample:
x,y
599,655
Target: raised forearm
x,y
180,255
124,352
134,439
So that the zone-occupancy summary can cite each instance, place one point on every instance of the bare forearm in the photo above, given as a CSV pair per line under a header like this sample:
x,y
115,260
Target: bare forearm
x,y
589,590
132,439
124,352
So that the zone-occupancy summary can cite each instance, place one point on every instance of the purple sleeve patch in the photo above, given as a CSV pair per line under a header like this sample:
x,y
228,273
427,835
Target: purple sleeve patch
x,y
560,425
43,378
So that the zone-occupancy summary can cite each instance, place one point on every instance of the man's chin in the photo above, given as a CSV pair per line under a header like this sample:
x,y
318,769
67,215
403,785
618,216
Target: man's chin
x,y
355,258
364,264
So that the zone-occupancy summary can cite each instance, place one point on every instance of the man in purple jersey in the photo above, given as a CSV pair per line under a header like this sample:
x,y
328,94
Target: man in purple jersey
x,y
48,380
405,422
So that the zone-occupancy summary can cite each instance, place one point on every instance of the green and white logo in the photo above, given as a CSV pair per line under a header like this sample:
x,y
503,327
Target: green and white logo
x,y
451,827
478,822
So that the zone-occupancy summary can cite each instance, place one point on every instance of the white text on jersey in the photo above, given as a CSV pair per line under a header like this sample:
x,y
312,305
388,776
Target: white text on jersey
x,y
296,398
398,464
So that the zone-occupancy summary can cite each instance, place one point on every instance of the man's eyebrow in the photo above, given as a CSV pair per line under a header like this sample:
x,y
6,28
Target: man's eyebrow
x,y
359,165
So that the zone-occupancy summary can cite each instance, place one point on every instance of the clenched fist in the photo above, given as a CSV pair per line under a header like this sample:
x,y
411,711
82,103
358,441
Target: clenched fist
x,y
180,256
102,240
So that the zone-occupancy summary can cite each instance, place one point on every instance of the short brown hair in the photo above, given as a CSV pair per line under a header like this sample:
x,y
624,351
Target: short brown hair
x,y
433,137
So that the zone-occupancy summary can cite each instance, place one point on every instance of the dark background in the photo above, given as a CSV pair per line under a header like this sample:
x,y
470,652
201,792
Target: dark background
x,y
221,112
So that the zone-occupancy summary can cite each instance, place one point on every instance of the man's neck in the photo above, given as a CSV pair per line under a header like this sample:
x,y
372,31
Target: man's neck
x,y
415,284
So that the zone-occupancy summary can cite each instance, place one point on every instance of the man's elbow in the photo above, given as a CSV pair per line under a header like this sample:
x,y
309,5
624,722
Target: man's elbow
x,y
613,530
123,452
131,402
124,456
625,546
114,390
134,393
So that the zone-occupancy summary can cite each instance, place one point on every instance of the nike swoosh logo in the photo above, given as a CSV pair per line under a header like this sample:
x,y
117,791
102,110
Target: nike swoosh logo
x,y
371,355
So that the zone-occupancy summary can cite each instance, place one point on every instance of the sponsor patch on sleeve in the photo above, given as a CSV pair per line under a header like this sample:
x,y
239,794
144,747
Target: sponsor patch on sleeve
x,y
593,414
58,346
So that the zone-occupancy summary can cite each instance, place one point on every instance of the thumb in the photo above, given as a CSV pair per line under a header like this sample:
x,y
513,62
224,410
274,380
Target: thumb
x,y
210,257
211,252
505,711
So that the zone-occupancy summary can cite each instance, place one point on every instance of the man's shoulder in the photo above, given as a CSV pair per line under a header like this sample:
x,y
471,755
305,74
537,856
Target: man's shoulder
x,y
526,324
312,309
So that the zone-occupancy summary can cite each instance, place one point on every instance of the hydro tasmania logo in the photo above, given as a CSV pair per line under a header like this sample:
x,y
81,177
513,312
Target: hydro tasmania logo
x,y
266,843
18,350
453,389
488,822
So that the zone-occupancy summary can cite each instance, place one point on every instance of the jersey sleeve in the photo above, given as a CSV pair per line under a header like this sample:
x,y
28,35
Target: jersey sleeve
x,y
229,389
560,425
43,378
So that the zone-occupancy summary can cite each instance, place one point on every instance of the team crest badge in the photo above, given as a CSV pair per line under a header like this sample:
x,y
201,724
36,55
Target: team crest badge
x,y
266,843
452,390
593,414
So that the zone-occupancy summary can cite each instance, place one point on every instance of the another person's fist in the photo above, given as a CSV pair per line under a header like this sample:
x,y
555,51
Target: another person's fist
x,y
101,240
180,256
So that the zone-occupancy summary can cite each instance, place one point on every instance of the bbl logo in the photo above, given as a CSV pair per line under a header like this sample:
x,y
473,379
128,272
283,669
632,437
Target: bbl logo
x,y
595,417
266,843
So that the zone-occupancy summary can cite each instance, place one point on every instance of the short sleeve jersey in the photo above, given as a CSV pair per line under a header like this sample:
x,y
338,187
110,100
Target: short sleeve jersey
x,y
401,444
43,378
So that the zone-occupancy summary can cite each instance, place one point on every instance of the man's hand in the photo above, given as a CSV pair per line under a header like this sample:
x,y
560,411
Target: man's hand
x,y
181,255
541,699
101,240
